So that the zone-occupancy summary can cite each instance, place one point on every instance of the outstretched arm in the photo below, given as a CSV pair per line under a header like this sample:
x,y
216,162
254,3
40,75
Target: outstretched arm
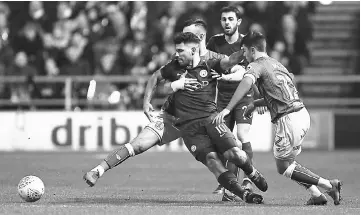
x,y
152,84
232,60
259,102
242,89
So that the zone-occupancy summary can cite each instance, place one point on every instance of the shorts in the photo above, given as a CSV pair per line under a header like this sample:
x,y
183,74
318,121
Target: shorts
x,y
290,131
236,116
201,137
163,127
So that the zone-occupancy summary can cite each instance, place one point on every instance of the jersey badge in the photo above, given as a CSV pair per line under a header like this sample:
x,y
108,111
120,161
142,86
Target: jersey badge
x,y
159,125
203,73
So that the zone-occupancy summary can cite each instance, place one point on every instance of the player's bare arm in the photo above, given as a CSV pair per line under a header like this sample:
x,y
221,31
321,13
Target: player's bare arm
x,y
232,60
241,91
236,74
152,84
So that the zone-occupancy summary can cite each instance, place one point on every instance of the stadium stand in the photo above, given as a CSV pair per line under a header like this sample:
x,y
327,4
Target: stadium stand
x,y
50,51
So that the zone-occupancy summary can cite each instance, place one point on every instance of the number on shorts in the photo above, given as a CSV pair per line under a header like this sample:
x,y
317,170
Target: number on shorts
x,y
244,108
222,128
290,91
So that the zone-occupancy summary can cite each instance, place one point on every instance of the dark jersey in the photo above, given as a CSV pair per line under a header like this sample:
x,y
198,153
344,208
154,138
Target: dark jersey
x,y
226,89
187,105
276,86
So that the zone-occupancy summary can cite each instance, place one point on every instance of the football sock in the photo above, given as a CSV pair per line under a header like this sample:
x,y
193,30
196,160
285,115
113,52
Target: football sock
x,y
120,155
247,180
324,183
301,174
314,191
99,169
233,168
229,181
246,166
247,147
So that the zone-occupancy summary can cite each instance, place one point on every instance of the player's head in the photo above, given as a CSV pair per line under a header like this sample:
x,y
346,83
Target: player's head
x,y
197,27
253,44
230,20
186,46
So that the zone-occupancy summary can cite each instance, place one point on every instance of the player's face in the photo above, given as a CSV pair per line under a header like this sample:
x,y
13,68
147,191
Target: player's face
x,y
248,53
229,23
184,54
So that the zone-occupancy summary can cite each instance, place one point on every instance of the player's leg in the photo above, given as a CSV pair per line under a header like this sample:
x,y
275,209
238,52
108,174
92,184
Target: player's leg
x,y
243,136
243,129
200,146
290,132
146,139
226,144
230,122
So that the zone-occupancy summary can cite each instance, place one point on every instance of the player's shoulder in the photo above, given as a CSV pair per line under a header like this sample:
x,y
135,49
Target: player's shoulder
x,y
171,65
255,66
216,38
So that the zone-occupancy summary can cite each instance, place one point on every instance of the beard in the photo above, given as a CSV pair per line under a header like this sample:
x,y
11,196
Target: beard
x,y
230,32
183,62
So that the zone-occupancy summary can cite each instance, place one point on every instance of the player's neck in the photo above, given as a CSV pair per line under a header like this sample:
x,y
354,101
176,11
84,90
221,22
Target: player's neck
x,y
232,38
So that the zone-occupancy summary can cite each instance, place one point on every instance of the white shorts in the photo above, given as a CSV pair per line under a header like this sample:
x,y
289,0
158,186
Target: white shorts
x,y
290,131
163,127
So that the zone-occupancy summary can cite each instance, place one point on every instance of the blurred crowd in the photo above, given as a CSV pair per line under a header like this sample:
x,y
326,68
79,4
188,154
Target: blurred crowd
x,y
125,38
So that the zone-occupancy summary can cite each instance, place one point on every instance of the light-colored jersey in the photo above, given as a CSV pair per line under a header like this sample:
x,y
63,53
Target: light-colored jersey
x,y
276,86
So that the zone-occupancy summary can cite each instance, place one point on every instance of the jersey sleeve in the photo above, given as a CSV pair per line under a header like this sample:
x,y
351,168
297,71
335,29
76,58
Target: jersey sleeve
x,y
163,72
166,72
254,71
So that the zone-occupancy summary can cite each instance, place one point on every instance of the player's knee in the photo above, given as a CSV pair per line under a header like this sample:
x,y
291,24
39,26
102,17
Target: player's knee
x,y
137,147
281,167
235,154
280,170
140,146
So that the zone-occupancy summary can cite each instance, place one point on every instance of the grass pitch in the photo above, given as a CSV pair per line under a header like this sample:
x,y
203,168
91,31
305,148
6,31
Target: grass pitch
x,y
165,183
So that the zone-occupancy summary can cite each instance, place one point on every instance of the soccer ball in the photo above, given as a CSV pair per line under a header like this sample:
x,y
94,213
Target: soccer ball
x,y
31,188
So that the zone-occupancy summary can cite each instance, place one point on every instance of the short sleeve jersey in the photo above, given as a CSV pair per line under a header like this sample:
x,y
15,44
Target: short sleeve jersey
x,y
276,86
187,105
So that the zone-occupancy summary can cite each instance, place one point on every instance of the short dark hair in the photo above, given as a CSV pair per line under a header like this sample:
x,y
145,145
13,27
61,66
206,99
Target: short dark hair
x,y
196,22
186,37
255,39
232,9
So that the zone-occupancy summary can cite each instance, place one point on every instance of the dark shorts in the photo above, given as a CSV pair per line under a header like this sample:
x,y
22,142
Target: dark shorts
x,y
201,137
236,116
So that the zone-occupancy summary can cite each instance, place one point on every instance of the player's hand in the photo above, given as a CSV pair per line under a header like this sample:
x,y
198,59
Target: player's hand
x,y
191,84
148,111
219,119
261,110
215,75
249,110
